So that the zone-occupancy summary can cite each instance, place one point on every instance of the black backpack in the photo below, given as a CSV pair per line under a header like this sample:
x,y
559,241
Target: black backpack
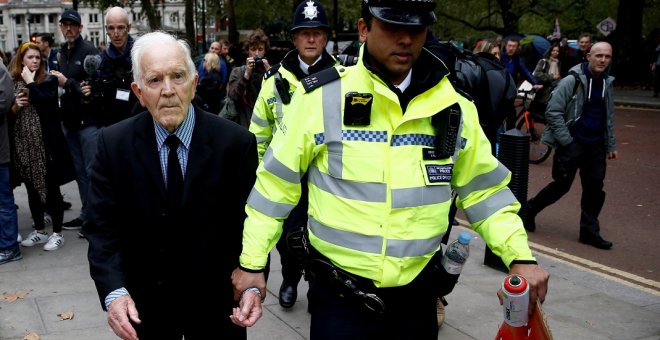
x,y
481,78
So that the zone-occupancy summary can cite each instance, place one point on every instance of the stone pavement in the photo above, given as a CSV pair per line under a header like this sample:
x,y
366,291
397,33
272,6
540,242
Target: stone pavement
x,y
582,302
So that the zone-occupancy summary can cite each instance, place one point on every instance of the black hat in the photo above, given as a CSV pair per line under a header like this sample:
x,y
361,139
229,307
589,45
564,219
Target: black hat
x,y
310,14
71,15
403,12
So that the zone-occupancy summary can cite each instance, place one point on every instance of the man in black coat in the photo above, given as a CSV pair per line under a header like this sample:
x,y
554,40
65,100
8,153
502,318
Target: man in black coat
x,y
167,196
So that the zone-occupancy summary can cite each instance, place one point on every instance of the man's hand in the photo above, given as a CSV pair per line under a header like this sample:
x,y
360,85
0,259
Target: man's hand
x,y
120,314
86,88
537,279
248,311
61,79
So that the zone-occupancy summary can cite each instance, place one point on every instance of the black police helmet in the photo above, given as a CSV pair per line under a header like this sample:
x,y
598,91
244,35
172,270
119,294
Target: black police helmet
x,y
310,14
403,12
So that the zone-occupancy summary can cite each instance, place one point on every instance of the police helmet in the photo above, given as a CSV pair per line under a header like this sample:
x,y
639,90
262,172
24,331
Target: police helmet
x,y
402,12
310,14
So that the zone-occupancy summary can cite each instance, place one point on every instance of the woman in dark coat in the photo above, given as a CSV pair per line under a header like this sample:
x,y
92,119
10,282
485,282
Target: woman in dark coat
x,y
39,151
211,88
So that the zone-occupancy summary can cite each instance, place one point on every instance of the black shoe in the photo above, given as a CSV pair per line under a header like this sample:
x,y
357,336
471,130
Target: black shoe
x,y
66,205
288,294
74,224
596,241
7,256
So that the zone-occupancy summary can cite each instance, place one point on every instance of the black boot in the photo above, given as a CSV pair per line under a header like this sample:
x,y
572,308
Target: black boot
x,y
288,293
594,240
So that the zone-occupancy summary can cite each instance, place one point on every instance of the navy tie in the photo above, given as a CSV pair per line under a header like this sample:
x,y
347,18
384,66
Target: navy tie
x,y
174,175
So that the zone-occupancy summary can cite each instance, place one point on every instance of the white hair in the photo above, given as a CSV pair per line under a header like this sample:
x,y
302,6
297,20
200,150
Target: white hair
x,y
156,40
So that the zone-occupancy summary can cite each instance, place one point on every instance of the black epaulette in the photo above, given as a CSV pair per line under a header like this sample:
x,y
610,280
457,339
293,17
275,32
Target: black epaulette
x,y
463,93
271,71
316,80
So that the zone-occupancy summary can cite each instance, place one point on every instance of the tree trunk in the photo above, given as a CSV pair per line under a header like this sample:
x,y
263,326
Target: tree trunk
x,y
190,26
149,9
231,15
629,64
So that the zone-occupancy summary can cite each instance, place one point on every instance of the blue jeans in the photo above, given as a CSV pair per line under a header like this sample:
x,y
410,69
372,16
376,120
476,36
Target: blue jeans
x,y
8,217
82,145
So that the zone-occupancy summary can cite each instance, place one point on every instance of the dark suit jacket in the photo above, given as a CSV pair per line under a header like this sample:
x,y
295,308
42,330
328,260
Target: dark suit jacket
x,y
169,262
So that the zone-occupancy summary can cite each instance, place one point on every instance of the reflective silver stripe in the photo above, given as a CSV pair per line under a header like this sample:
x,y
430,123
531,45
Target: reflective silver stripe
x,y
273,209
484,181
489,206
360,191
263,139
332,126
415,197
410,248
278,169
259,121
374,244
346,239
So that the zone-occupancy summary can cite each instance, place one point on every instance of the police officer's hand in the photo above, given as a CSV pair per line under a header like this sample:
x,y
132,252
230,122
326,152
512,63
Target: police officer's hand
x,y
61,79
537,279
120,314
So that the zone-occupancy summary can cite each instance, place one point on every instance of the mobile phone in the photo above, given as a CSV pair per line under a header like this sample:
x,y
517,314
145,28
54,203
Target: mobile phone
x,y
24,91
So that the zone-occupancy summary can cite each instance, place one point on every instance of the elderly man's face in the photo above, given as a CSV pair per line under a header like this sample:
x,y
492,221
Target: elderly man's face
x,y
167,87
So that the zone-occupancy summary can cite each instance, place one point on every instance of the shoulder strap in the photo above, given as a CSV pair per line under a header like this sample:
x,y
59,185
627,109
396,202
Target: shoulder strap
x,y
577,82
271,71
318,79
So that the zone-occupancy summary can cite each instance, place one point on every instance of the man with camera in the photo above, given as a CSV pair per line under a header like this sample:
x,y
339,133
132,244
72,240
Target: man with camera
x,y
80,126
109,88
309,32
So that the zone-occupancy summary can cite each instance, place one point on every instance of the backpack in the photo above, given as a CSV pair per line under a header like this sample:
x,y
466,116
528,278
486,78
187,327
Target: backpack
x,y
481,78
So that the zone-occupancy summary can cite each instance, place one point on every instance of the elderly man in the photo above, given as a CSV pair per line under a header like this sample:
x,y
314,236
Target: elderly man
x,y
172,170
383,143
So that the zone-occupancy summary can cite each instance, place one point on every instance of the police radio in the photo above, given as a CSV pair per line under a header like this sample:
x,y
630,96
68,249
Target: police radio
x,y
446,124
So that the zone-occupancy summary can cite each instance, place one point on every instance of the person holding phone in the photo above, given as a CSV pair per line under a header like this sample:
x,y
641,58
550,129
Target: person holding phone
x,y
40,152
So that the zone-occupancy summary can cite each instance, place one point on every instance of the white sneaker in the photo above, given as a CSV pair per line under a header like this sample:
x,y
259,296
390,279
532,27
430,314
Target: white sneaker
x,y
35,237
55,241
48,221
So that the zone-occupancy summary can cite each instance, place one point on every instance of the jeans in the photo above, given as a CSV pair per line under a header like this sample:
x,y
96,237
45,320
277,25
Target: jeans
x,y
8,216
82,144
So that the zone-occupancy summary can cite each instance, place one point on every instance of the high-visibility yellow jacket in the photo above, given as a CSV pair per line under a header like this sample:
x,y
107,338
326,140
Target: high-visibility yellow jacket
x,y
376,206
269,107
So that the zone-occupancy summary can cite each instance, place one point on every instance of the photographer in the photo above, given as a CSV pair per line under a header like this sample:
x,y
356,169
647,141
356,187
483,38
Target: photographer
x,y
109,88
245,81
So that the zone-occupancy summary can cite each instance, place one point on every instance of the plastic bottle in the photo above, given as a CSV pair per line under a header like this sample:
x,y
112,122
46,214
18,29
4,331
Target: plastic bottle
x,y
457,253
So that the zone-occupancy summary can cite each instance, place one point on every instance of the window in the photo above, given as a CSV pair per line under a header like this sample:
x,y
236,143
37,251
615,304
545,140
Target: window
x,y
36,18
2,19
94,38
93,18
18,19
51,18
137,16
19,38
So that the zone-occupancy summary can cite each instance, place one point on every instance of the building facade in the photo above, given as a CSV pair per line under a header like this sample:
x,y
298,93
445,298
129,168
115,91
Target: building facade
x,y
19,19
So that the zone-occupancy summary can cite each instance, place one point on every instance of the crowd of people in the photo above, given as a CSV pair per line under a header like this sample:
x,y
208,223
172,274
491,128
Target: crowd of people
x,y
329,151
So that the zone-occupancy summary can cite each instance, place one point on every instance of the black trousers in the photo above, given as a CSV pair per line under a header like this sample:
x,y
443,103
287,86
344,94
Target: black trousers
x,y
410,314
292,267
590,159
53,205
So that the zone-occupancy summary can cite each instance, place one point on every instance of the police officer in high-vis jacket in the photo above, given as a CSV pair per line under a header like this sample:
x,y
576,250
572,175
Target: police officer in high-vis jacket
x,y
383,143
309,31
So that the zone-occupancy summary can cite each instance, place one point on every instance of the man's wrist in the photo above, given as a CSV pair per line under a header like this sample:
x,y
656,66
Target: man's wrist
x,y
115,294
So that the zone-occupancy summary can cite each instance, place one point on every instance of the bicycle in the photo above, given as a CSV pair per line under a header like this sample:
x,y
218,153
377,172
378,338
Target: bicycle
x,y
532,124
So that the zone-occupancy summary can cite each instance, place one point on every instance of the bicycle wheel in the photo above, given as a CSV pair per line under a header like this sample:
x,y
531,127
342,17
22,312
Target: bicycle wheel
x,y
538,152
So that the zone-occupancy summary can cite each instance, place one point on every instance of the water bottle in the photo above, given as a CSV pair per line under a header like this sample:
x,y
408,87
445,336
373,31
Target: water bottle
x,y
448,270
457,253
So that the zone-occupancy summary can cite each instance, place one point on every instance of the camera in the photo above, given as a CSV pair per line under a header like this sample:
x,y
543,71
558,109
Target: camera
x,y
347,59
258,60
